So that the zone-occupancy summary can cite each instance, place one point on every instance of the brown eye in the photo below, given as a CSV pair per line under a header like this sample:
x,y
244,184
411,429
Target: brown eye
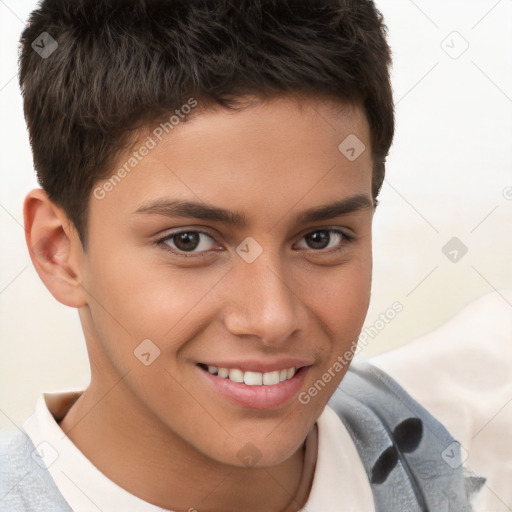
x,y
318,239
189,241
186,241
323,239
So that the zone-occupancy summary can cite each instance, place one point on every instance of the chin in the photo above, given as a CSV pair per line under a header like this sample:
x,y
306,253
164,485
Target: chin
x,y
260,452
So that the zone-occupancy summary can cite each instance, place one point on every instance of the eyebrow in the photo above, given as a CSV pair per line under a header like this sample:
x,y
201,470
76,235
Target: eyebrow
x,y
203,211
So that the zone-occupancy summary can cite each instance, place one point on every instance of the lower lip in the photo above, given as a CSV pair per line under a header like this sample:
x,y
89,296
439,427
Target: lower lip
x,y
257,397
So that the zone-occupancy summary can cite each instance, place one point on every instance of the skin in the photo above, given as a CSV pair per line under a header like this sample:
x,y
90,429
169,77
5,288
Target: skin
x,y
159,431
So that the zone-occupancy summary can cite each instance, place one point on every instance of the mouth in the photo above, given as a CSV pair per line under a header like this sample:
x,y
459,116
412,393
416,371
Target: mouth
x,y
251,378
254,389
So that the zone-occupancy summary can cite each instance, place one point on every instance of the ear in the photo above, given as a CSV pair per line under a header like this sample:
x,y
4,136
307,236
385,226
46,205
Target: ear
x,y
55,248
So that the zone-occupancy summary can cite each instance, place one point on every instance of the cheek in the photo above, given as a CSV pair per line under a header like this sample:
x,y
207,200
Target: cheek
x,y
148,299
340,301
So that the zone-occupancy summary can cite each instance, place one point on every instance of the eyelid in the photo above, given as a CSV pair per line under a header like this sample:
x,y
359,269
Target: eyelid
x,y
161,241
345,231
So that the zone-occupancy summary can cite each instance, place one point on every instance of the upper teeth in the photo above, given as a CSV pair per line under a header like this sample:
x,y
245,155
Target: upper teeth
x,y
253,378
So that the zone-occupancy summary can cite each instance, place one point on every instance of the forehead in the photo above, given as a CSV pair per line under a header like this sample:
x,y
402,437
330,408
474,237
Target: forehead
x,y
287,120
265,158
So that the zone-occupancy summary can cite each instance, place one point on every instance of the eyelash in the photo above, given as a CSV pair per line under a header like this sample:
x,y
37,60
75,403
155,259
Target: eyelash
x,y
346,239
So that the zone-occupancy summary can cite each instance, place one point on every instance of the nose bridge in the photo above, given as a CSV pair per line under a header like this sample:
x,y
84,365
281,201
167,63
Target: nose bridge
x,y
264,303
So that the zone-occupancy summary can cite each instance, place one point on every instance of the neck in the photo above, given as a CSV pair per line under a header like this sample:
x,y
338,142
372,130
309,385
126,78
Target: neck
x,y
144,457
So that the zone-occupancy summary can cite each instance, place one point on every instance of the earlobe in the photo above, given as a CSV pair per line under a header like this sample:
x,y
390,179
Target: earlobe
x,y
55,248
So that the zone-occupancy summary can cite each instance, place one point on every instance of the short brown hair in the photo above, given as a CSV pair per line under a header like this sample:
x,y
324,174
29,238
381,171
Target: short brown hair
x,y
120,63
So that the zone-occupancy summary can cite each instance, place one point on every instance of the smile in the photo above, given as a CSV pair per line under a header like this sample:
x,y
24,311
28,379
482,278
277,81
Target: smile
x,y
252,389
252,378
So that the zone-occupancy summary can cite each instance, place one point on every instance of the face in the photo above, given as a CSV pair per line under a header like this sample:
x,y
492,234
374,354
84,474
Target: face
x,y
237,249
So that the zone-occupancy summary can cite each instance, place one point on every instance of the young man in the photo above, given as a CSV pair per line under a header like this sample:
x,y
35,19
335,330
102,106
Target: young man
x,y
209,174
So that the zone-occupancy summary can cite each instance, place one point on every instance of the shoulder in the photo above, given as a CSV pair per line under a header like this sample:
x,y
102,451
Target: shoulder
x,y
25,483
411,460
461,373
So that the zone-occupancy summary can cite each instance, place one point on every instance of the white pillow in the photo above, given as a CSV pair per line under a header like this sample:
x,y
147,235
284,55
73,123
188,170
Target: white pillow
x,y
462,374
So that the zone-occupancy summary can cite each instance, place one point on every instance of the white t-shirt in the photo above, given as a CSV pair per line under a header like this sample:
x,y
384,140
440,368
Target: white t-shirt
x,y
339,474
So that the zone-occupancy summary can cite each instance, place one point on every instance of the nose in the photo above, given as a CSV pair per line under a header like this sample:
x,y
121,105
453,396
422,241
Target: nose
x,y
263,303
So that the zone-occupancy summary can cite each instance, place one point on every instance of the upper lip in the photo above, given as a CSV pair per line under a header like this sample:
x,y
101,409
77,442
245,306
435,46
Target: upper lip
x,y
253,365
